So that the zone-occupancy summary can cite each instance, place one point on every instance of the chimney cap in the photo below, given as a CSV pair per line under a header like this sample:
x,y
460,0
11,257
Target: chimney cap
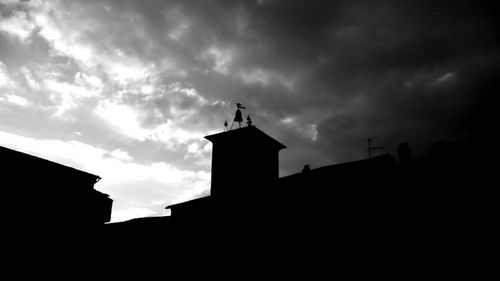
x,y
306,169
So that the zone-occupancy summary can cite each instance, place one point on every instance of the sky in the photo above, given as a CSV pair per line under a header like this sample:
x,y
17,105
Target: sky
x,y
128,89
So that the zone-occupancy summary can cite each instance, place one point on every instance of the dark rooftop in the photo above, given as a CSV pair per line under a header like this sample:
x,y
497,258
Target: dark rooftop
x,y
251,133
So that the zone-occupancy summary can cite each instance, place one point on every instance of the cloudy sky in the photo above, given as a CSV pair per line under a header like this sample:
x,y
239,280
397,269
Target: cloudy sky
x,y
127,89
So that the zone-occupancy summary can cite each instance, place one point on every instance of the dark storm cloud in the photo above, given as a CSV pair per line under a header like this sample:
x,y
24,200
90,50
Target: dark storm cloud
x,y
401,76
369,67
405,71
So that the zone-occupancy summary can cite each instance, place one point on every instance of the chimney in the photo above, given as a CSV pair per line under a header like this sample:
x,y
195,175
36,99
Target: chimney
x,y
306,169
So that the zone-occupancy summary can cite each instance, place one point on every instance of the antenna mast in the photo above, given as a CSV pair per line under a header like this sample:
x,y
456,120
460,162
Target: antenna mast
x,y
370,148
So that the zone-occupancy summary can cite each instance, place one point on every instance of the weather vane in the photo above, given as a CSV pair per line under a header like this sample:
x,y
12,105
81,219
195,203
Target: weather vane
x,y
238,117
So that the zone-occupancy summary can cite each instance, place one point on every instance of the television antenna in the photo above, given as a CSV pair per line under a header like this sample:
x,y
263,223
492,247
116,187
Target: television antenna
x,y
370,147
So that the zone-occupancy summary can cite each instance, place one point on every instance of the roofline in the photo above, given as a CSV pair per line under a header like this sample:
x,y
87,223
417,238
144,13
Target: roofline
x,y
343,164
211,137
52,162
181,203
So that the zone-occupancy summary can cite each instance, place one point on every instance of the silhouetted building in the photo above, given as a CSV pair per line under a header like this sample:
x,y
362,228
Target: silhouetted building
x,y
345,201
347,192
370,206
404,153
245,181
343,177
243,158
39,192
246,184
245,165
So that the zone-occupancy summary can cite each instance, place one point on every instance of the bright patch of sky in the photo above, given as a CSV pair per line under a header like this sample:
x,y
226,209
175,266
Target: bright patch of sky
x,y
18,25
116,168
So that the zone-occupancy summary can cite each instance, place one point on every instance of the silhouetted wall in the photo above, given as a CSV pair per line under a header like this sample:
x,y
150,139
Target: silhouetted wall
x,y
404,154
40,192
369,208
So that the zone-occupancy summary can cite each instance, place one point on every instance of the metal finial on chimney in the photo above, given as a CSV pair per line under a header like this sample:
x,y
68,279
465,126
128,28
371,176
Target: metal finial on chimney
x,y
249,121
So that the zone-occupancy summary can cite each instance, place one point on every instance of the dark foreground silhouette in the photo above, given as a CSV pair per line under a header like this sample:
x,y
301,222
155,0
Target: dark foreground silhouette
x,y
47,206
378,214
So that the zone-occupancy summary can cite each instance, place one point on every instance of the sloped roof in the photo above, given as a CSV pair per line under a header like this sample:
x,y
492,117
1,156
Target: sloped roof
x,y
201,200
381,161
34,160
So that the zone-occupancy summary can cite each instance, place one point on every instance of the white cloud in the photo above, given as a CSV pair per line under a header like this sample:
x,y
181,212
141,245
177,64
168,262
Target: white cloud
x,y
433,78
5,80
10,2
58,28
265,78
18,25
309,131
17,100
170,134
221,58
121,155
207,147
91,81
69,37
8,86
288,120
258,76
67,95
28,75
196,150
180,24
198,189
448,76
123,118
178,31
125,70
130,213
193,148
68,89
147,89
127,121
190,92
